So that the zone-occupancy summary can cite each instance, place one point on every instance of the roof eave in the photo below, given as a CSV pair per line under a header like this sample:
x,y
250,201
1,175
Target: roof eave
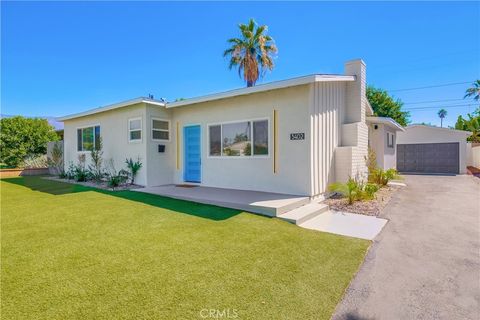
x,y
261,88
110,107
468,133
386,121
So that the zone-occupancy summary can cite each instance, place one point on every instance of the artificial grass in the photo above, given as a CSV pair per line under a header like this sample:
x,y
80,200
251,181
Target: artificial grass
x,y
72,252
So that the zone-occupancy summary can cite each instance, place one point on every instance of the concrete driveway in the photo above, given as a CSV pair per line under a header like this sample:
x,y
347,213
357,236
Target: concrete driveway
x,y
426,262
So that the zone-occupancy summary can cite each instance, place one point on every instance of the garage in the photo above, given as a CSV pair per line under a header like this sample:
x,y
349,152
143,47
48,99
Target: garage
x,y
428,158
428,149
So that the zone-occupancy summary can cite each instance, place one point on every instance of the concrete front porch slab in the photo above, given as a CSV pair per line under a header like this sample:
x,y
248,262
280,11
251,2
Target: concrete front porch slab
x,y
346,224
271,204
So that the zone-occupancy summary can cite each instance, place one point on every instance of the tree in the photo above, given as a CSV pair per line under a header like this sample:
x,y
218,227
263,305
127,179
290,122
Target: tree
x,y
471,124
473,91
385,105
252,53
442,113
22,137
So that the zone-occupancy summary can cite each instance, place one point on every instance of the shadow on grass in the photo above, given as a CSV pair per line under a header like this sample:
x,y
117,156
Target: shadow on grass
x,y
191,208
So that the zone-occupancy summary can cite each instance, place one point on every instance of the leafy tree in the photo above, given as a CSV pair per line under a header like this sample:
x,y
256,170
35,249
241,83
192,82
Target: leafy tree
x,y
385,105
473,91
252,53
442,113
22,137
471,124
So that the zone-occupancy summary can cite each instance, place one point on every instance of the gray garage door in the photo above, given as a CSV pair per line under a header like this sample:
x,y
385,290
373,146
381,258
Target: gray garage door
x,y
428,157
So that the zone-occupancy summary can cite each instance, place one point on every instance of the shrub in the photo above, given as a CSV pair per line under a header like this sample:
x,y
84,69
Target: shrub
x,y
63,174
370,190
56,160
382,177
70,173
371,162
114,181
95,169
391,174
350,189
80,173
355,189
133,167
21,137
114,178
33,162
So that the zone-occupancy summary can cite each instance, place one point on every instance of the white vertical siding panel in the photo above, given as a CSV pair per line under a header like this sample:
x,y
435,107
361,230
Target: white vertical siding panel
x,y
328,102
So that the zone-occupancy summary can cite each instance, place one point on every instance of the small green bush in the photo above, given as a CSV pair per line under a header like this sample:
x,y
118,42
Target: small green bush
x,y
355,189
382,177
351,189
95,169
133,167
114,178
70,173
80,172
371,189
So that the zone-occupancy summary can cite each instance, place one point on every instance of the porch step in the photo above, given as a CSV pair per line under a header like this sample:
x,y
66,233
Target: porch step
x,y
304,213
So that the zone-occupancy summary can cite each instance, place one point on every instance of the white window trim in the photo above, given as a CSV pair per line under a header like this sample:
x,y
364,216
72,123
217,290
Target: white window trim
x,y
83,127
252,156
141,130
152,129
389,134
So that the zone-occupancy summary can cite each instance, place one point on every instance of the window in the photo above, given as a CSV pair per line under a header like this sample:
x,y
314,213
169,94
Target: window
x,y
160,129
236,139
87,138
390,139
135,129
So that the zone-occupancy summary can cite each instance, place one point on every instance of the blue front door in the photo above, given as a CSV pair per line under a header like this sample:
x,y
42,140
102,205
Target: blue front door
x,y
192,165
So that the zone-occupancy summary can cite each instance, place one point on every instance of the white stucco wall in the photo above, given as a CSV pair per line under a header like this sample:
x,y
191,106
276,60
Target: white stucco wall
x,y
251,173
474,156
114,133
160,166
390,154
427,134
376,142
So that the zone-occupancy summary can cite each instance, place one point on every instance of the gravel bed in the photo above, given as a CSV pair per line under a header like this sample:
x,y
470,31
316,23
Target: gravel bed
x,y
102,185
367,207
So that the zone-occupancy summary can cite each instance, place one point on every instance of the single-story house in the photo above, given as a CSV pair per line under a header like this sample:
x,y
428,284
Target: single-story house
x,y
429,149
294,136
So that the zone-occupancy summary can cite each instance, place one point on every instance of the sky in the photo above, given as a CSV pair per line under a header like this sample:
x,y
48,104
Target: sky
x,y
59,58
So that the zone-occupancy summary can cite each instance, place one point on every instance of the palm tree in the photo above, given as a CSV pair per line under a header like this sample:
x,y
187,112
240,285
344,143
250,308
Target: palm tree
x,y
252,53
442,113
474,91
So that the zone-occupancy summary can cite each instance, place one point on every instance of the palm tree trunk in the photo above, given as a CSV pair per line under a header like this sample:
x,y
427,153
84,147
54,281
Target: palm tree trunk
x,y
441,122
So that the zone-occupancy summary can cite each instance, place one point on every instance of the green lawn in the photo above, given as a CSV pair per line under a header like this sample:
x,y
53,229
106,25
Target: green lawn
x,y
71,252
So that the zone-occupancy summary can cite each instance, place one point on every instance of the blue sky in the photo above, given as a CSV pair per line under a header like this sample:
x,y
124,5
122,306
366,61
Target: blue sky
x,y
59,58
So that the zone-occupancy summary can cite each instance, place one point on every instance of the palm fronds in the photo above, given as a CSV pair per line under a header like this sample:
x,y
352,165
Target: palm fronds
x,y
253,53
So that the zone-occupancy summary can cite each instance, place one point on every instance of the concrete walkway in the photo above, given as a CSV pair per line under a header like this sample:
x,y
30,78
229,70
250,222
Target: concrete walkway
x,y
426,262
346,224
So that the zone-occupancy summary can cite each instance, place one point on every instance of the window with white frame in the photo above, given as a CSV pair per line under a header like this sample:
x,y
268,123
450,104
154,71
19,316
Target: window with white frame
x,y
239,139
88,138
135,129
390,139
160,129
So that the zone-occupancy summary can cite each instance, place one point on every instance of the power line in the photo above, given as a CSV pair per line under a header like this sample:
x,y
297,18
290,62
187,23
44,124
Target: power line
x,y
434,86
432,101
444,107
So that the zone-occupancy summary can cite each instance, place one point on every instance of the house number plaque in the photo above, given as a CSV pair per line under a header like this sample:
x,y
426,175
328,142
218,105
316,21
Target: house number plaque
x,y
297,136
